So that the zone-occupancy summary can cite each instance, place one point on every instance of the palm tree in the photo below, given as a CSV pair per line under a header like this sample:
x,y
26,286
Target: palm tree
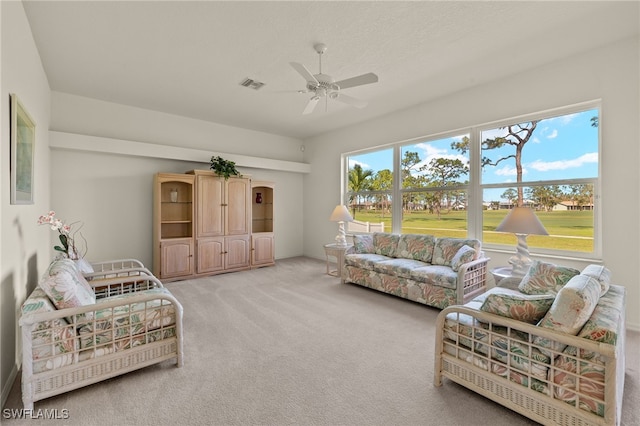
x,y
358,181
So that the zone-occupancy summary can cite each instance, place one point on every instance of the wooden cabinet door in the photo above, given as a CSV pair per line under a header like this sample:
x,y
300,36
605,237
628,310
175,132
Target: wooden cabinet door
x,y
262,249
177,258
238,213
237,252
210,206
210,255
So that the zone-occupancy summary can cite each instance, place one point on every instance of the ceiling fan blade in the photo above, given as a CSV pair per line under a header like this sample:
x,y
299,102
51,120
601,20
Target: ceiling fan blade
x,y
349,100
358,81
311,105
304,72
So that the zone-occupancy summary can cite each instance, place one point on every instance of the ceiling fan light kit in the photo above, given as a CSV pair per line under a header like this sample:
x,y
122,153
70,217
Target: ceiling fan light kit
x,y
325,86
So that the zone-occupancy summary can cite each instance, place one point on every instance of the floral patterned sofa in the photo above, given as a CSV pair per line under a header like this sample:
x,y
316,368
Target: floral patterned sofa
x,y
435,271
79,329
552,349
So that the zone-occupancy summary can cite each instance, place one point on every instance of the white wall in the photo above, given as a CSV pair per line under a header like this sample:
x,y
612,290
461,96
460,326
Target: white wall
x,y
25,246
609,73
112,193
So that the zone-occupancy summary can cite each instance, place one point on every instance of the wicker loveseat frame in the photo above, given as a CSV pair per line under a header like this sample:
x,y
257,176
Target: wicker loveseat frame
x,y
493,356
135,322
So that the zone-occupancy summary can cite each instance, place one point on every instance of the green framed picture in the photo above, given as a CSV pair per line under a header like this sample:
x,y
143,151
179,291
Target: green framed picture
x,y
23,137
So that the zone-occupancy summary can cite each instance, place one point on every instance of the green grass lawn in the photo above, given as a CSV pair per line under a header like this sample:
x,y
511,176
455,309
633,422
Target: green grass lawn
x,y
568,230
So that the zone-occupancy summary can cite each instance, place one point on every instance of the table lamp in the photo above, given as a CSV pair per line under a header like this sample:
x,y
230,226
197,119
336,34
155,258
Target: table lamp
x,y
521,221
341,215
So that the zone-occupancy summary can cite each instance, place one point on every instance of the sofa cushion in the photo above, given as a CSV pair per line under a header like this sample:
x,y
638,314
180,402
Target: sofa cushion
x,y
53,342
120,323
363,243
364,260
437,275
65,286
514,304
445,249
600,273
465,255
546,278
385,243
400,267
416,246
570,310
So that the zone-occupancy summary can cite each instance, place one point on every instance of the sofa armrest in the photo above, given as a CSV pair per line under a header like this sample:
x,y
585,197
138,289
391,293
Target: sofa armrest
x,y
124,284
116,264
489,348
472,280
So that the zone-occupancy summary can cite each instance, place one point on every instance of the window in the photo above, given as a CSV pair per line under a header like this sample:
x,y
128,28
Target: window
x,y
369,191
435,178
550,165
464,184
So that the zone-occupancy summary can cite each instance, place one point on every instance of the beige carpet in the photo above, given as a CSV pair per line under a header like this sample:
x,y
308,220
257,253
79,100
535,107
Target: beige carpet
x,y
289,345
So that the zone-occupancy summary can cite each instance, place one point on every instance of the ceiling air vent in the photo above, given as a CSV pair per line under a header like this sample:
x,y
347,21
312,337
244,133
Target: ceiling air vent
x,y
252,84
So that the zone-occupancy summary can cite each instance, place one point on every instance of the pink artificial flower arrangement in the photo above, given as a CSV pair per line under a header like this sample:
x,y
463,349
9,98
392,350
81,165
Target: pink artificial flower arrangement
x,y
68,245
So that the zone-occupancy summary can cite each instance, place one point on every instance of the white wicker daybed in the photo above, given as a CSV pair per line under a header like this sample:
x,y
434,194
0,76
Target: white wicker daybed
x,y
547,375
131,322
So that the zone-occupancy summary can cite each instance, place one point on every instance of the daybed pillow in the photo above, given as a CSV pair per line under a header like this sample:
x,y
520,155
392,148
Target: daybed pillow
x,y
600,273
65,287
546,278
363,243
464,255
446,248
509,303
570,310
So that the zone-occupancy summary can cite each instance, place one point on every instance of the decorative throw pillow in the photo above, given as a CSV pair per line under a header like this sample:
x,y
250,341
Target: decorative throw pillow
x,y
446,248
546,278
570,310
509,303
600,273
363,243
416,246
464,255
63,286
385,243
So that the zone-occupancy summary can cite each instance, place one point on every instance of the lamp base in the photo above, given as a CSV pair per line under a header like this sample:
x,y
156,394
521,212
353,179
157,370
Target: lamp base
x,y
520,262
341,239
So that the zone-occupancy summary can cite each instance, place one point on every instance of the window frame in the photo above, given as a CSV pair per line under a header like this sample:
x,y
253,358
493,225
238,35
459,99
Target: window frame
x,y
475,187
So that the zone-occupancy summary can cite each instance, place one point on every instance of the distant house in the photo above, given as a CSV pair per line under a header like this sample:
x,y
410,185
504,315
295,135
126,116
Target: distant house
x,y
572,205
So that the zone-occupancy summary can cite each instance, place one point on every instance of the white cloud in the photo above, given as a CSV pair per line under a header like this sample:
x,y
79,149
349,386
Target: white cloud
x,y
553,134
509,171
429,152
544,166
353,162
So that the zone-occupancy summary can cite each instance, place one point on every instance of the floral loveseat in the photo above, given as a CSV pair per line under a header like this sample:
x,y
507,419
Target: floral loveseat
x,y
552,350
81,329
435,271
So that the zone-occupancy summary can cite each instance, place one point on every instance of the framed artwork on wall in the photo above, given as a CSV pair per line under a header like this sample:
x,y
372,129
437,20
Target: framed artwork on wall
x,y
23,138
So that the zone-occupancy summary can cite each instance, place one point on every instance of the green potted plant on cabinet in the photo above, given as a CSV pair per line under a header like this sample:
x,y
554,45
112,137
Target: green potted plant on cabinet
x,y
224,168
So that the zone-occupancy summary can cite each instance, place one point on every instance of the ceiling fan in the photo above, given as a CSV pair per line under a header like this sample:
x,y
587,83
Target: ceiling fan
x,y
324,86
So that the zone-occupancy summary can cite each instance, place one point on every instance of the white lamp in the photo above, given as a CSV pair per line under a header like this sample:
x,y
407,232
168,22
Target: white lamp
x,y
341,215
521,221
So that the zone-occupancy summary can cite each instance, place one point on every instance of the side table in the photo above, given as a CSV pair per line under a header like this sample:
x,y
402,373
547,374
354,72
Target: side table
x,y
336,251
504,278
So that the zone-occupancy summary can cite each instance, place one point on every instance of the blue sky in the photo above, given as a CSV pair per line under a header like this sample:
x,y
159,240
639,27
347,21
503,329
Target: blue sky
x,y
560,148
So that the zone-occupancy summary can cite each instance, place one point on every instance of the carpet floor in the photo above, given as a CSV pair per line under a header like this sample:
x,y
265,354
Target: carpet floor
x,y
290,345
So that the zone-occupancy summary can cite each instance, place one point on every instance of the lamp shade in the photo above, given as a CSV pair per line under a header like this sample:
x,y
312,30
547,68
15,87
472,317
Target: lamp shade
x,y
522,220
340,214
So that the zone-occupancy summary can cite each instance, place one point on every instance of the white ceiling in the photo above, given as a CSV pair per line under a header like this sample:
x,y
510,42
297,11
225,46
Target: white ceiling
x,y
188,58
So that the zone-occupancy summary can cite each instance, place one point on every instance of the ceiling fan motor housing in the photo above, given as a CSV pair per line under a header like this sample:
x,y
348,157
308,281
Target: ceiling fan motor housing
x,y
325,82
